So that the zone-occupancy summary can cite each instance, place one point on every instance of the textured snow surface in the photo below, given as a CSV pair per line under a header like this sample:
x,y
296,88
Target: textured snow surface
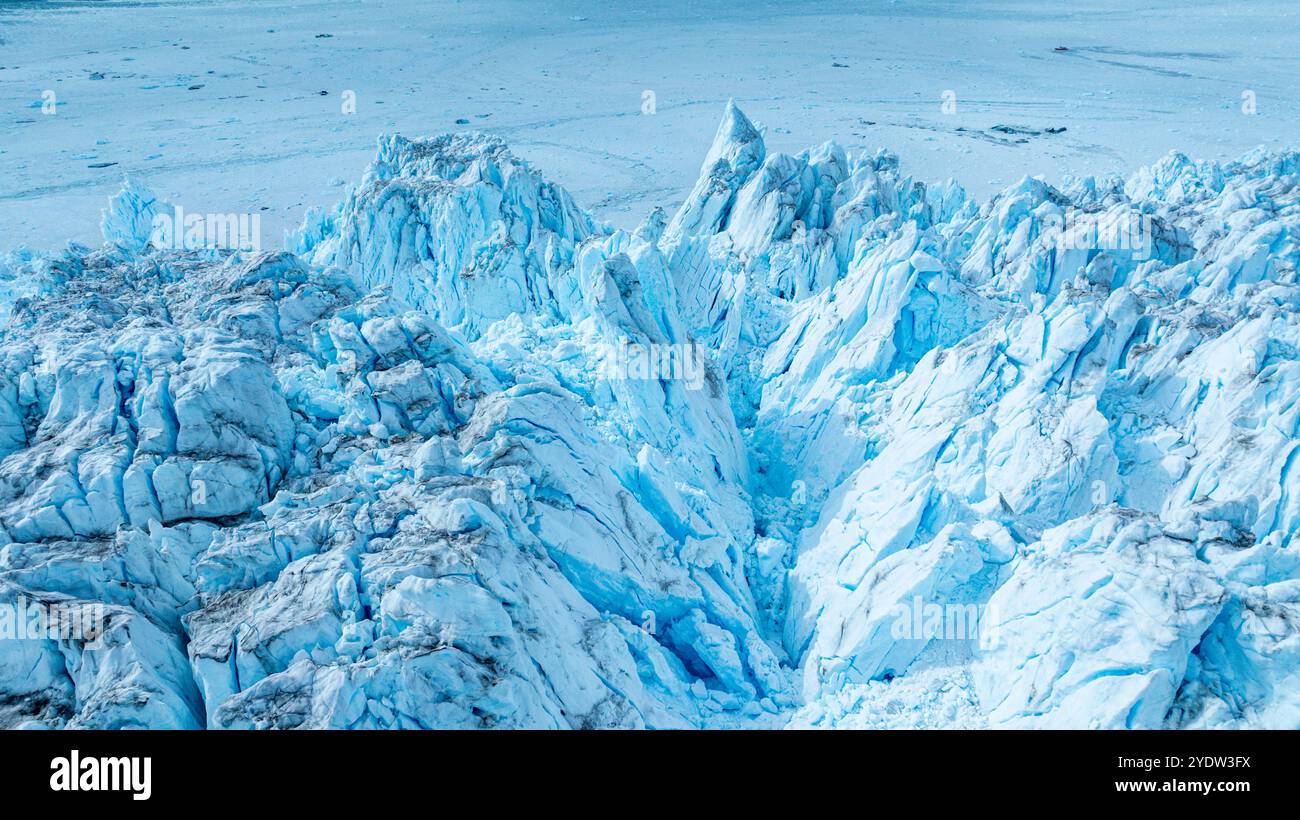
x,y
386,477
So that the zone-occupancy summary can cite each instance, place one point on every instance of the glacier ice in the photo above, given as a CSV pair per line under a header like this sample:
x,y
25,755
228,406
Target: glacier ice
x,y
385,477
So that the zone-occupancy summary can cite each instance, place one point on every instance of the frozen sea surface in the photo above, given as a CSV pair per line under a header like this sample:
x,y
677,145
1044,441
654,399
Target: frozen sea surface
x,y
232,107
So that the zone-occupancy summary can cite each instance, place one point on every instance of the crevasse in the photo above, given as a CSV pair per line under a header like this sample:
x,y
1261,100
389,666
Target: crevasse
x,y
387,478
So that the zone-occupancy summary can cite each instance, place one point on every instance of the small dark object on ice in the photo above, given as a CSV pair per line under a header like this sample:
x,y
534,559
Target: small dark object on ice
x,y
1015,129
323,93
194,87
838,65
1060,48
462,121
1056,129
323,36
101,164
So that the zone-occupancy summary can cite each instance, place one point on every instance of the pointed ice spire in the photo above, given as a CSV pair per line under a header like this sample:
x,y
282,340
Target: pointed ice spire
x,y
737,141
736,153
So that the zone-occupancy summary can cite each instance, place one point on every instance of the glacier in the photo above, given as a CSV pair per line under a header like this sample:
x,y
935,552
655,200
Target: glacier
x,y
385,477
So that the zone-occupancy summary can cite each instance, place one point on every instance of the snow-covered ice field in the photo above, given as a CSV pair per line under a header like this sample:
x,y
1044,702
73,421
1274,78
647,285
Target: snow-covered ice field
x,y
228,106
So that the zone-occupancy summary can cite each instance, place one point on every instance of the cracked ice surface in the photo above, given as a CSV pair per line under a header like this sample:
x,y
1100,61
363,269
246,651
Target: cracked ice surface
x,y
383,478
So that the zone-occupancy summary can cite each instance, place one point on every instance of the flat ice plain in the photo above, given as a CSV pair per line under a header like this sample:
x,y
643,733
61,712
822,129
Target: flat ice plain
x,y
563,83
